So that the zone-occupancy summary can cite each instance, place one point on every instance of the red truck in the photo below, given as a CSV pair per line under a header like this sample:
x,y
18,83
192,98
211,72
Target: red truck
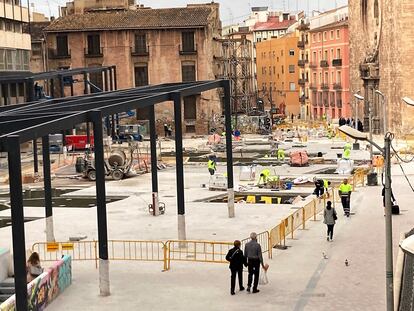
x,y
78,142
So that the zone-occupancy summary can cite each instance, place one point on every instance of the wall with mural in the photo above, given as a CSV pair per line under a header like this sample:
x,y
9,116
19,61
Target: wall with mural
x,y
46,287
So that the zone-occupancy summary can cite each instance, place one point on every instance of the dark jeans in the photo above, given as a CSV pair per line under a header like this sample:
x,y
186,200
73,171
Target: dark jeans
x,y
234,273
330,231
253,266
211,171
319,191
346,200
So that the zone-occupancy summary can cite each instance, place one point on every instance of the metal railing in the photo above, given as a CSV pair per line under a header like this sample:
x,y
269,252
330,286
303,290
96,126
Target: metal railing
x,y
193,250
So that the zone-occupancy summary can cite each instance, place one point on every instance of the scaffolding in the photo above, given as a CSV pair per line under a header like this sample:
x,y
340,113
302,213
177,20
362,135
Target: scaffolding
x,y
236,65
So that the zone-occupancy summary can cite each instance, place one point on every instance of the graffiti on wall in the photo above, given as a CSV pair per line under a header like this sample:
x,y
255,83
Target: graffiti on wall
x,y
46,287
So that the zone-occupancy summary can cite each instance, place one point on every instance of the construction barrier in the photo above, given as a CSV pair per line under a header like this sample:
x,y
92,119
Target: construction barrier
x,y
263,240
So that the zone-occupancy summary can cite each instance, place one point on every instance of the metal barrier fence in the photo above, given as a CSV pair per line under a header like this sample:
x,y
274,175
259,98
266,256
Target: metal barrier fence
x,y
190,250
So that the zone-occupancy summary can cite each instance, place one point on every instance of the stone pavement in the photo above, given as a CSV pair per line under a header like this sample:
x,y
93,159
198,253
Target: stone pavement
x,y
300,277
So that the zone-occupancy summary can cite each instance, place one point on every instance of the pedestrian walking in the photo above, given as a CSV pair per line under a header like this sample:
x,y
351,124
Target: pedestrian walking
x,y
329,218
237,260
253,253
318,187
345,190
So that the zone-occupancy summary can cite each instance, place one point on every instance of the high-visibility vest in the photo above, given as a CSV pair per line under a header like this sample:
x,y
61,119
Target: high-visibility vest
x,y
347,154
345,189
281,154
265,173
211,165
325,184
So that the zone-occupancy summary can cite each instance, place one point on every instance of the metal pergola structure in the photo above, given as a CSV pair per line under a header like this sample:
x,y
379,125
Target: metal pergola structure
x,y
29,121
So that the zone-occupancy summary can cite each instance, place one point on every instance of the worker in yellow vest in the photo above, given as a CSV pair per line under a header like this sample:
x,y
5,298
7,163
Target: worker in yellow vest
x,y
345,190
281,154
211,165
347,151
264,176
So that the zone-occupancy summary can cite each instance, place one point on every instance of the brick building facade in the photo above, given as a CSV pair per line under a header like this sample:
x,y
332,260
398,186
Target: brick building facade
x,y
148,46
381,44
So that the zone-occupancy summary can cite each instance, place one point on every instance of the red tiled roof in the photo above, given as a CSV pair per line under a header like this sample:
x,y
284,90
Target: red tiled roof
x,y
273,23
134,19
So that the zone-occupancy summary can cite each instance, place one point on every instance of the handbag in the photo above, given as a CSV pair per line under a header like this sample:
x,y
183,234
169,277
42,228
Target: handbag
x,y
335,217
263,280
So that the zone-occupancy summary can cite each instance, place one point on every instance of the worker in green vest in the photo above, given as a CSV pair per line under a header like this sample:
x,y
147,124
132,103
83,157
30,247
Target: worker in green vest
x,y
211,165
347,151
345,190
281,154
264,176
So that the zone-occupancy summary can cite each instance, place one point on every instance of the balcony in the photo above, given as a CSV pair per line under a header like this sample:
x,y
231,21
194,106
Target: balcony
x,y
188,50
301,63
312,86
337,62
325,86
325,103
332,104
303,81
140,51
313,65
56,54
301,44
90,53
324,64
337,86
339,103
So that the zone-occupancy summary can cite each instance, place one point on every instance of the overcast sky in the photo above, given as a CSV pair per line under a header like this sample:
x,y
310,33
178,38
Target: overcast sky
x,y
232,11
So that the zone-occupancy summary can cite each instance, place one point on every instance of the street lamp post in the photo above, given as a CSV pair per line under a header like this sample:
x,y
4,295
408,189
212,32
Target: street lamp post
x,y
384,109
386,152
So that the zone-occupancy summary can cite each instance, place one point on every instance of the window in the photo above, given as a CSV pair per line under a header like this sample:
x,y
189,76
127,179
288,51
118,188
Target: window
x,y
94,44
274,69
277,59
314,57
188,72
292,86
190,107
270,70
10,59
320,55
188,41
338,77
2,59
325,36
291,52
141,75
338,34
314,38
291,68
332,54
9,25
332,77
319,36
326,78
281,53
338,53
332,34
18,28
325,55
320,77
62,45
274,54
283,70
140,43
2,26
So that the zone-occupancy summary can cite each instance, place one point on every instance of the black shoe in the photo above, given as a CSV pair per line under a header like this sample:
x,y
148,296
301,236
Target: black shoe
x,y
241,289
255,291
347,215
232,293
248,289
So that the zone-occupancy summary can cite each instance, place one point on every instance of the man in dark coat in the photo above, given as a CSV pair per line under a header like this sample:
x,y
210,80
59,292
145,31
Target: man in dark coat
x,y
237,260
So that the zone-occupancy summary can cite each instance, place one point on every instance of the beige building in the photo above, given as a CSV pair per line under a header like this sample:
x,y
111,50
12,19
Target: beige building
x,y
383,60
14,48
148,46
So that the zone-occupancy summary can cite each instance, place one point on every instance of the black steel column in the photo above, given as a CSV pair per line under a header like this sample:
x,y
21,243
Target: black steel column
x,y
47,182
154,168
35,158
179,153
88,134
30,90
229,146
85,83
111,82
113,127
52,88
17,214
96,118
71,89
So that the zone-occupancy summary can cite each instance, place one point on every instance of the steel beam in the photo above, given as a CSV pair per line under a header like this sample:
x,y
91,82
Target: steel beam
x,y
35,158
47,182
96,118
17,214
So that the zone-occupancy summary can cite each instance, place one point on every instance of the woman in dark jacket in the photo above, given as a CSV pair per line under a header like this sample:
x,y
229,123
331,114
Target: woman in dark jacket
x,y
329,218
237,260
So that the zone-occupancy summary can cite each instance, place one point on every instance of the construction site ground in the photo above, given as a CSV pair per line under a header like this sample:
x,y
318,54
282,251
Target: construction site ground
x,y
309,275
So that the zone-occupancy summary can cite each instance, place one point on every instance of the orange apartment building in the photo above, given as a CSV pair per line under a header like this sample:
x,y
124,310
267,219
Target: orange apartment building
x,y
278,74
147,46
